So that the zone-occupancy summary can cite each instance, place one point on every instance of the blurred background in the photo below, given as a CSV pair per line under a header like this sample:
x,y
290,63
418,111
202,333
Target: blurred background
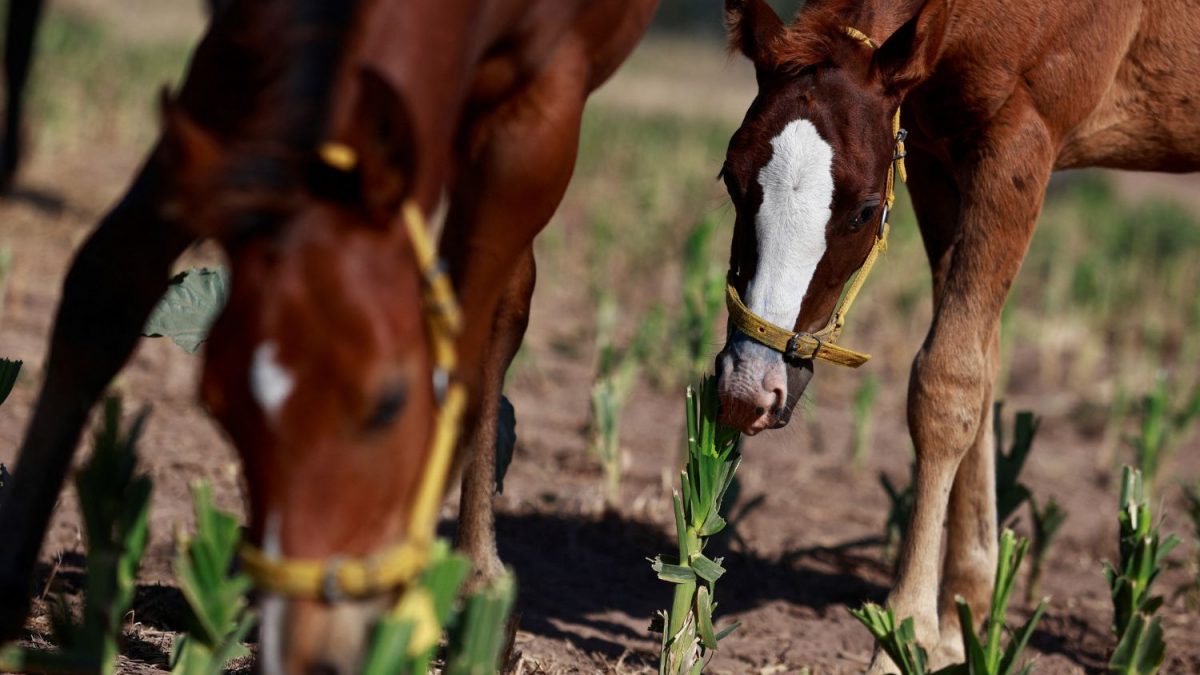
x,y
1101,340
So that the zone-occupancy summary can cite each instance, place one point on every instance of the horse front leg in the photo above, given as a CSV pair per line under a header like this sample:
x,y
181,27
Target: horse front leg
x,y
950,389
517,163
476,521
113,283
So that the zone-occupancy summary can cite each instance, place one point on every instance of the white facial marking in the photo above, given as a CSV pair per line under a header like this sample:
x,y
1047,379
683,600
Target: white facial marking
x,y
797,187
272,608
270,383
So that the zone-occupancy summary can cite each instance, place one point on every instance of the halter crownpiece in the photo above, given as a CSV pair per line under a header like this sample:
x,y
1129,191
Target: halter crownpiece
x,y
397,567
801,345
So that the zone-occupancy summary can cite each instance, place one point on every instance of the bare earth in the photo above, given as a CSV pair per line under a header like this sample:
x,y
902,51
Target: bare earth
x,y
800,559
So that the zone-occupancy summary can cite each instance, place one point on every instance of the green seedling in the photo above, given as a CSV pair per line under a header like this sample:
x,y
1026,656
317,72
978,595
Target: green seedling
x,y
115,501
713,457
616,372
1143,553
985,656
477,640
1163,427
703,296
477,632
1192,494
219,617
862,414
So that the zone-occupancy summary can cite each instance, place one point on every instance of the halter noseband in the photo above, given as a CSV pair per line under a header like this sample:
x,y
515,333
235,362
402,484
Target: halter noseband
x,y
800,345
393,568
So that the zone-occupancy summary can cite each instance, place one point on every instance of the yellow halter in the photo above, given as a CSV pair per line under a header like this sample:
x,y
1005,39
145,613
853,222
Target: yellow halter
x,y
395,567
821,344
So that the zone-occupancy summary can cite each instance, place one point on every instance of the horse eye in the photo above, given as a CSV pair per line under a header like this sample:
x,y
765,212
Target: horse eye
x,y
387,408
864,215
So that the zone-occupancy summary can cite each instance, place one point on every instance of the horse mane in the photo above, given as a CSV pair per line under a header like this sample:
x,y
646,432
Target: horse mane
x,y
287,54
813,38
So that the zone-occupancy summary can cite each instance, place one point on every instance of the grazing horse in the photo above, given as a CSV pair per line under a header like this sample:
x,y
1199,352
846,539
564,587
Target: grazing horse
x,y
310,139
996,96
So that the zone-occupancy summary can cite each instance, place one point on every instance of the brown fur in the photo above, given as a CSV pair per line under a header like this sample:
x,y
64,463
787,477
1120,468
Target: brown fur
x,y
996,96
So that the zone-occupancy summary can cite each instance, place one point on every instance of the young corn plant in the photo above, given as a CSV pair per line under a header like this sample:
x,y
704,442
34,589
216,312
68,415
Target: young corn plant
x,y
687,629
403,644
1163,426
219,616
115,501
985,656
1192,494
703,296
1143,552
862,415
616,372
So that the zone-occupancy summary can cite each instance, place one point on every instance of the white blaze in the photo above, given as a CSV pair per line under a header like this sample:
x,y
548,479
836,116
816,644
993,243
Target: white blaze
x,y
797,187
270,382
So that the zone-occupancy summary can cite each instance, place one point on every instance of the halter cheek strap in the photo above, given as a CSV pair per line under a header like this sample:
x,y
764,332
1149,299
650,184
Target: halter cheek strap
x,y
800,345
394,568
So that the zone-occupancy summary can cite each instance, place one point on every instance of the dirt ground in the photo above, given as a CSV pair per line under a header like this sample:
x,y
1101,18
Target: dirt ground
x,y
805,554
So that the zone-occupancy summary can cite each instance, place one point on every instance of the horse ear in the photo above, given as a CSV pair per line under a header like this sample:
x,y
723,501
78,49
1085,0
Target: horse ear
x,y
383,136
906,58
753,29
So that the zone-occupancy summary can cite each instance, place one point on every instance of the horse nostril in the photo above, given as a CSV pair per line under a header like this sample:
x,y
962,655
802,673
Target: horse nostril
x,y
759,411
322,668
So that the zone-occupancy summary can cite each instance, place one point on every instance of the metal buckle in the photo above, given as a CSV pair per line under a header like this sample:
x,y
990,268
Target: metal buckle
x,y
441,384
902,135
331,590
887,213
793,347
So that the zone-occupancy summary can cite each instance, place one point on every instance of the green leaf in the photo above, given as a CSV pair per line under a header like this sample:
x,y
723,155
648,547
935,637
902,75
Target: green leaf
x,y
506,440
706,568
675,574
9,370
1141,650
192,301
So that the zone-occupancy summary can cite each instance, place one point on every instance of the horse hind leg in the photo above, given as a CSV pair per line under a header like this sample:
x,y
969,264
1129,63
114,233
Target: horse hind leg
x,y
23,19
113,283
476,520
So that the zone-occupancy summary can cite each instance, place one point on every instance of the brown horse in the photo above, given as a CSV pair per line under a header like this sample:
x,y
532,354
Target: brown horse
x,y
302,132
997,96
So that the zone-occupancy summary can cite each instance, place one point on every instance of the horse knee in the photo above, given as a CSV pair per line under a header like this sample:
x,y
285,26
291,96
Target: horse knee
x,y
945,399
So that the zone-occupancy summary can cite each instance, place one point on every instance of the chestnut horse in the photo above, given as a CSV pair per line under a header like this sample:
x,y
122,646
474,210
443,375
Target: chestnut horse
x,y
303,131
997,96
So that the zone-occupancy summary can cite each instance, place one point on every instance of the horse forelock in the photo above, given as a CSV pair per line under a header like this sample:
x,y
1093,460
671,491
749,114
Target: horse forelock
x,y
815,38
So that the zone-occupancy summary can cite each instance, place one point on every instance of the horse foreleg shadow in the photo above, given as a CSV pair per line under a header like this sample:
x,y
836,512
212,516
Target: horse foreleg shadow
x,y
113,283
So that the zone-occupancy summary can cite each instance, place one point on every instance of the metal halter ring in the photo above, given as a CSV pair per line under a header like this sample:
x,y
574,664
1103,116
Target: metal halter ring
x,y
331,589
